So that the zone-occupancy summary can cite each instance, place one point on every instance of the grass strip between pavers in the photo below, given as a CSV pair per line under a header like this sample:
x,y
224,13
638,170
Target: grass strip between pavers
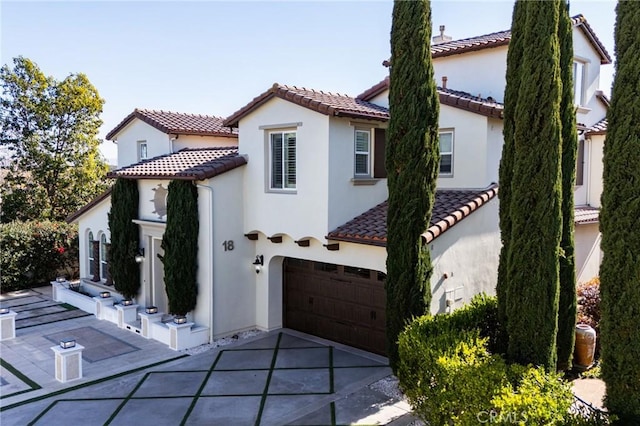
x,y
33,385
331,369
51,322
263,400
199,392
127,398
84,385
333,413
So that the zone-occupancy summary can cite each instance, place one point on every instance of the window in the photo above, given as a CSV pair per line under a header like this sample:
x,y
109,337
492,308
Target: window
x,y
89,252
446,153
142,150
580,163
282,147
363,153
103,257
578,82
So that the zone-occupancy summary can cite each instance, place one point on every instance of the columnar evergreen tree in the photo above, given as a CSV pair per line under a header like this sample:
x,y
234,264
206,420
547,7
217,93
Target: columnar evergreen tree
x,y
412,167
125,237
535,207
567,304
180,244
620,268
514,58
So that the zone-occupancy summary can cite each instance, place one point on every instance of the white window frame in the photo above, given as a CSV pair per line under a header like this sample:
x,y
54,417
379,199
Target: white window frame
x,y
579,78
366,154
89,251
450,153
286,183
141,145
103,257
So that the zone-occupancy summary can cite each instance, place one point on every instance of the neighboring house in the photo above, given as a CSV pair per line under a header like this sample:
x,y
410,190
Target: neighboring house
x,y
293,186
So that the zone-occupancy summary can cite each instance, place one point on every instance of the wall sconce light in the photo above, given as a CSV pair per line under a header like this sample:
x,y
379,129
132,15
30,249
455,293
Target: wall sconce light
x,y
258,263
140,255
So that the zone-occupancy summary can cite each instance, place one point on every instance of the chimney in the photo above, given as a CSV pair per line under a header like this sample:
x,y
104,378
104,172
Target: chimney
x,y
442,38
444,81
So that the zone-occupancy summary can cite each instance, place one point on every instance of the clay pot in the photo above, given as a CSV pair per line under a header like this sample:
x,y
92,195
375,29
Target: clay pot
x,y
585,345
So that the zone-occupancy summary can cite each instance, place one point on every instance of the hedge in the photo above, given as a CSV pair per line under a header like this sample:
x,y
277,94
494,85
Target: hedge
x,y
37,252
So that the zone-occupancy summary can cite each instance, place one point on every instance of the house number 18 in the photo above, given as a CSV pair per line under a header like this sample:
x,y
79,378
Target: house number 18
x,y
228,245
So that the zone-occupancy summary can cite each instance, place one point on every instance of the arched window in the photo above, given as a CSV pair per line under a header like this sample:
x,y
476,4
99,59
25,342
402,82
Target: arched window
x,y
89,250
103,257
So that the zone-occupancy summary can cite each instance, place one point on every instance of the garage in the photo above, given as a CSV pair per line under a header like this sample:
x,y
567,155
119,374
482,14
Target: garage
x,y
340,303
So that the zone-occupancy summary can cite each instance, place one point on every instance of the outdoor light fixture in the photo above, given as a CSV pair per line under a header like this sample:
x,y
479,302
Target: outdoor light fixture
x,y
179,319
151,309
126,302
258,263
61,279
4,311
140,255
105,294
67,343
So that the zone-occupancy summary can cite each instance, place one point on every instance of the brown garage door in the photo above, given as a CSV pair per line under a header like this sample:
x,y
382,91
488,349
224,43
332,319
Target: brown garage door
x,y
336,302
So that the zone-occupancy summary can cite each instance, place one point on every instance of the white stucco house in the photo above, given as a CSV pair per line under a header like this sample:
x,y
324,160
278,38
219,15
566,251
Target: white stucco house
x,y
292,198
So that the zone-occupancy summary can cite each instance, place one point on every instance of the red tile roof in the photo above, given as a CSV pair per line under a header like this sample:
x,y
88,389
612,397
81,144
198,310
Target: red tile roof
x,y
91,204
600,128
451,206
323,102
502,38
586,214
187,164
454,98
177,123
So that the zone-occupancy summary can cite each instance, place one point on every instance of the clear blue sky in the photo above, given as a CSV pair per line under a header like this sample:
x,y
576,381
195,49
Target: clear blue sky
x,y
213,57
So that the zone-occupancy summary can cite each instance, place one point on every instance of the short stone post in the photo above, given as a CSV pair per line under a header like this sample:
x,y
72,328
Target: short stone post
x,y
146,320
179,335
8,325
68,363
101,304
126,314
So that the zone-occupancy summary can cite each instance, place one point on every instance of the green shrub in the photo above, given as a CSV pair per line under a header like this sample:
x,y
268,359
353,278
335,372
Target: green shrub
x,y
589,306
37,252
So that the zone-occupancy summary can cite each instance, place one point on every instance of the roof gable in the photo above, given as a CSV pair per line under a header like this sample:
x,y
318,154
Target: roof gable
x,y
177,123
186,164
453,98
326,103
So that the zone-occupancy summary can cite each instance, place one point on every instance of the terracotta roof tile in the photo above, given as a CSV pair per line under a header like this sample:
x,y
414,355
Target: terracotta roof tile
x,y
586,214
451,206
600,128
177,123
187,164
454,98
502,38
323,102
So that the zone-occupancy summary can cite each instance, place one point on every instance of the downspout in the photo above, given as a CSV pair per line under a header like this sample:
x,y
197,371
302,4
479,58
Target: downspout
x,y
588,163
211,260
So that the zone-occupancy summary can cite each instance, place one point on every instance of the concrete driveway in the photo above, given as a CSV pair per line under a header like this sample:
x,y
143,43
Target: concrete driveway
x,y
278,378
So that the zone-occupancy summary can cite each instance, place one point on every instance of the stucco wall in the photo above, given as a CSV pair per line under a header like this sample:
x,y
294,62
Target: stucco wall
x,y
95,221
588,255
347,200
595,171
468,253
480,73
469,148
495,141
298,213
136,130
148,191
194,141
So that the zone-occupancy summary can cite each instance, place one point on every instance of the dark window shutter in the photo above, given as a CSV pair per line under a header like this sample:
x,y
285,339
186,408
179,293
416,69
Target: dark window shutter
x,y
580,163
95,263
379,169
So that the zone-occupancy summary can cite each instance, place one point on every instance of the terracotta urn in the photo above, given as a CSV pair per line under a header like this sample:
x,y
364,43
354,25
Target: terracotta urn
x,y
585,345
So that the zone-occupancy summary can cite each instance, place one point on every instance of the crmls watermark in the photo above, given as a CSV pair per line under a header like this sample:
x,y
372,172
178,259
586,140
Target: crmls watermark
x,y
492,416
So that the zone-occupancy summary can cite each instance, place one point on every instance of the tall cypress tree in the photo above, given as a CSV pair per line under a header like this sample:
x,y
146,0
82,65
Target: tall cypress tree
x,y
567,303
180,244
535,207
412,161
620,269
514,57
125,237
